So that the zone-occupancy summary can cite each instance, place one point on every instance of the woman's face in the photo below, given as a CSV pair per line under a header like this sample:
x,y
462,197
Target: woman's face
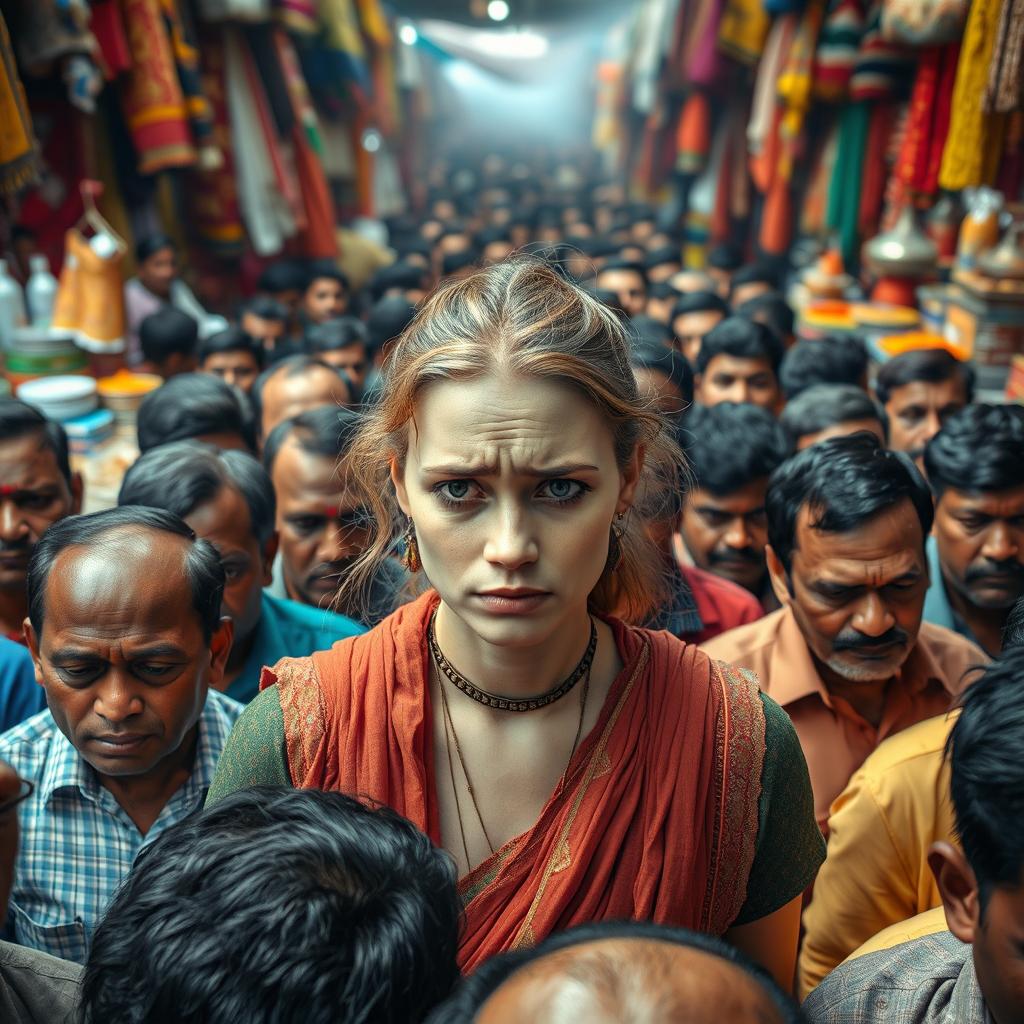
x,y
513,486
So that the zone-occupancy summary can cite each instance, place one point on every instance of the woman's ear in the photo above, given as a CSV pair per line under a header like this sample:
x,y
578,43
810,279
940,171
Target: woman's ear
x,y
958,888
398,480
631,474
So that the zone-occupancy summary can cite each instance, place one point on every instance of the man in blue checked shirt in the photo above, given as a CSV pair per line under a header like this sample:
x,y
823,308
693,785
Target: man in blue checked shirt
x,y
129,644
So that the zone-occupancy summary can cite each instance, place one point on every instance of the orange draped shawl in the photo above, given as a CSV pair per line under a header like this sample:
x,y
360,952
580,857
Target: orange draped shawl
x,y
656,818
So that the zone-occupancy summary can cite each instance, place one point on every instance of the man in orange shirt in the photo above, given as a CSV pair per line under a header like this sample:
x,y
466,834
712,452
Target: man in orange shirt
x,y
847,655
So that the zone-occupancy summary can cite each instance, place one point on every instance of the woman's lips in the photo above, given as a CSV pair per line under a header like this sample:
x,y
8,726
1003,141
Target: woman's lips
x,y
512,602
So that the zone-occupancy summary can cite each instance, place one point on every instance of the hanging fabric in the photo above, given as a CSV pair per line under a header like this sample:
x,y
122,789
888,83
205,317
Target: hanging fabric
x,y
1005,91
19,152
743,30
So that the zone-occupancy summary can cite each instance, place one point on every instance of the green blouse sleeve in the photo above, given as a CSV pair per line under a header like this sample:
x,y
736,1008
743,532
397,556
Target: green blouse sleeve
x,y
790,847
254,754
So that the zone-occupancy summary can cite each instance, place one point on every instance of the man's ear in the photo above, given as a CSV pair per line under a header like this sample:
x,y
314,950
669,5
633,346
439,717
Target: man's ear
x,y
33,649
220,648
778,576
268,555
398,480
958,888
77,493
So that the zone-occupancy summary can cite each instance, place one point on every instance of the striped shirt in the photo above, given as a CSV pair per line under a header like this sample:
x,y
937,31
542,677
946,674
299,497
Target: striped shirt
x,y
77,842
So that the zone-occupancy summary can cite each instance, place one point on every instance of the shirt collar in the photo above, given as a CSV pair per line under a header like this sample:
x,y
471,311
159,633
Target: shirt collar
x,y
967,1001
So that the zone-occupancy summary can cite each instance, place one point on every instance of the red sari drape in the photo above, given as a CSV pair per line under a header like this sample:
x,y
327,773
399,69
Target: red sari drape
x,y
656,818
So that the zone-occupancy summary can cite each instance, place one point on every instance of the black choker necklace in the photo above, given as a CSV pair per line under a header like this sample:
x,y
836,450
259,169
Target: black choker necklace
x,y
494,700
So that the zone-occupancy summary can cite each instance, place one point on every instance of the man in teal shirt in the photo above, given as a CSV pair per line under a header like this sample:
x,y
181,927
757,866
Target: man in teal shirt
x,y
227,498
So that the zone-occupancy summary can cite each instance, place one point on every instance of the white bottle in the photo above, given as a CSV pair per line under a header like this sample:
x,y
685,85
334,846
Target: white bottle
x,y
41,291
12,306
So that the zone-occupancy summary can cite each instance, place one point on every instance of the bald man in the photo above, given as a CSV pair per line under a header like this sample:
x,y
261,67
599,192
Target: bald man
x,y
620,972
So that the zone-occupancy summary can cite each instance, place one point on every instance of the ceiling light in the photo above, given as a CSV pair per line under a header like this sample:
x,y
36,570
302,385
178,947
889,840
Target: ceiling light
x,y
497,10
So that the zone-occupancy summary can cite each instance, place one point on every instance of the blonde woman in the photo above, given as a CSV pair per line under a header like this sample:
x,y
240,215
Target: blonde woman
x,y
575,767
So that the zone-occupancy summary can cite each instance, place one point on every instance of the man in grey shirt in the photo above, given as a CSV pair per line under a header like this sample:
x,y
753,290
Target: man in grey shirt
x,y
35,988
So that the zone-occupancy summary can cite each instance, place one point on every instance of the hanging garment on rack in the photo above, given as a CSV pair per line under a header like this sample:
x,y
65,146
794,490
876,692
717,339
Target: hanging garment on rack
x,y
19,152
1006,77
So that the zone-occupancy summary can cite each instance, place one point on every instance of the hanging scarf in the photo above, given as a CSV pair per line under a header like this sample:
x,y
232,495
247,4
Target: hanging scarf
x,y
743,30
971,154
838,44
1005,91
19,152
657,816
882,69
844,191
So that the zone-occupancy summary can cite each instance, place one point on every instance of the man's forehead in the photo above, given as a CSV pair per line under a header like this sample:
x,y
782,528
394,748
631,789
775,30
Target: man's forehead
x,y
25,457
1007,502
739,366
296,469
891,543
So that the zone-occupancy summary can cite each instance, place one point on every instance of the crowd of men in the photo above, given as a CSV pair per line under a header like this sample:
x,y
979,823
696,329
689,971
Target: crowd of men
x,y
852,534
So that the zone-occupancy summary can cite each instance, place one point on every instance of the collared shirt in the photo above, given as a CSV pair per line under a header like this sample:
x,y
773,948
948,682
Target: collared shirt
x,y
835,738
937,608
880,829
288,629
77,842
21,696
703,605
928,980
36,988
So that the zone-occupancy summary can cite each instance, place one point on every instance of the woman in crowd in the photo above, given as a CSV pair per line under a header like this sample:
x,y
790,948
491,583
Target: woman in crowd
x,y
575,767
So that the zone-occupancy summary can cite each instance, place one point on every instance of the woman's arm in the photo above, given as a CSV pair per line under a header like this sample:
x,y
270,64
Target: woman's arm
x,y
771,942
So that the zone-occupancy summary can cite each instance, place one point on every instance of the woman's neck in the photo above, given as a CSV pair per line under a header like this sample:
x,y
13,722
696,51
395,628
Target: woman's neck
x,y
519,672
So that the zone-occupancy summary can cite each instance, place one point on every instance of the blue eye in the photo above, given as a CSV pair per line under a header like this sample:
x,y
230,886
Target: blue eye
x,y
454,492
457,489
564,492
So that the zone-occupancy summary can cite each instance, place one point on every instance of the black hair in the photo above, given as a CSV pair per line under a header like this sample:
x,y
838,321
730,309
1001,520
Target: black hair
x,y
845,482
772,310
453,262
986,756
732,444
327,431
828,360
180,477
762,271
202,563
282,276
278,905
598,246
152,244
233,339
824,405
742,339
403,276
388,318
489,235
1013,628
167,332
931,365
466,1002
333,335
979,448
663,254
661,290
700,302
725,256
265,308
326,270
414,245
643,328
649,354
192,405
290,366
622,264
19,419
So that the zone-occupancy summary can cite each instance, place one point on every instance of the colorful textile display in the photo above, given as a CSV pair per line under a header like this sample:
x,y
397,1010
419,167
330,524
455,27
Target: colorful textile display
x,y
19,156
971,153
838,45
743,30
1005,91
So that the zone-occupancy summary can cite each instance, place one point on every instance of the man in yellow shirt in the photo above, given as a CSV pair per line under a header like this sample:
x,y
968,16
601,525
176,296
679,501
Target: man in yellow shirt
x,y
880,830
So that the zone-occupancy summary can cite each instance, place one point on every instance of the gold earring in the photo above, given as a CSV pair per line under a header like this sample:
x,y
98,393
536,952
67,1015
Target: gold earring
x,y
411,558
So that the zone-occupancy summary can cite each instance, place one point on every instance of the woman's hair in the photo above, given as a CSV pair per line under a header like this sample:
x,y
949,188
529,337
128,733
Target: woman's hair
x,y
523,319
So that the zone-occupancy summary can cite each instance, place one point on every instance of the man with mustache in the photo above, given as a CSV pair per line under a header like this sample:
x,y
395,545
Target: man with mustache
x,y
919,391
975,467
733,450
322,531
847,655
37,488
227,498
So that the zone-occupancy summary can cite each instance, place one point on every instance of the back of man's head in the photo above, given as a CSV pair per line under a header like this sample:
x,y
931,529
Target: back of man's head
x,y
194,405
168,339
928,365
327,431
822,406
278,905
388,318
742,339
19,420
620,971
828,360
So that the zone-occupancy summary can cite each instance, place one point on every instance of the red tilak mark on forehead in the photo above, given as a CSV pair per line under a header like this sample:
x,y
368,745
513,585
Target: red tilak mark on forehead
x,y
6,490
332,511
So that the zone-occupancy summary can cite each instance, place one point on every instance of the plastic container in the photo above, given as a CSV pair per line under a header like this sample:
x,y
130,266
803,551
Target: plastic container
x,y
123,392
61,398
12,306
40,292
